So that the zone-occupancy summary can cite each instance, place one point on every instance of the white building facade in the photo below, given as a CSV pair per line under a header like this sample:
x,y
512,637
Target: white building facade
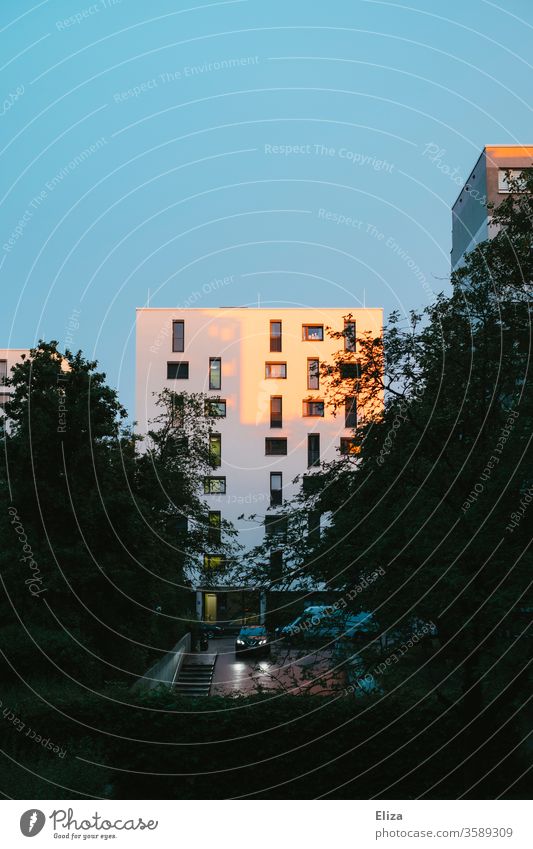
x,y
8,358
263,366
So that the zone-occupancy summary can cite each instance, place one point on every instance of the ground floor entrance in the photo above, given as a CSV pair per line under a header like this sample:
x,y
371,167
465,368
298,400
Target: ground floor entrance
x,y
231,606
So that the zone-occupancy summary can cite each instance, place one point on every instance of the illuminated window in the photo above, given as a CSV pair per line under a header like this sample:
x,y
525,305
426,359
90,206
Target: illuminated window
x,y
276,411
215,449
216,408
349,446
215,526
275,336
313,332
313,408
178,335
177,371
276,371
213,561
214,486
215,373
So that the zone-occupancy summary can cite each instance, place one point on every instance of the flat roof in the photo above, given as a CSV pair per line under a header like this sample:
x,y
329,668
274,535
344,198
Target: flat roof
x,y
258,309
500,151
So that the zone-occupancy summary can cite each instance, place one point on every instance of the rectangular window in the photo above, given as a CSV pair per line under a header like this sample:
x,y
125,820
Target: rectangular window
x,y
313,449
518,174
214,486
215,408
215,527
275,336
213,561
276,565
313,332
182,525
276,489
350,411
313,526
3,372
215,373
275,371
275,447
313,374
276,411
276,526
349,335
178,335
350,371
349,445
215,450
4,398
177,371
313,408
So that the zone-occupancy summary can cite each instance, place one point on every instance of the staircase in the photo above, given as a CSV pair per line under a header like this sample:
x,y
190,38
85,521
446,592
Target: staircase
x,y
196,675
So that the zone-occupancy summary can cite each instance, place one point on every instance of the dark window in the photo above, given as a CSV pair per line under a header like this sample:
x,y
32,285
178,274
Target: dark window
x,y
178,335
350,371
214,486
313,408
3,372
215,449
350,412
276,526
275,336
276,565
276,411
182,525
313,526
275,446
313,374
313,332
312,484
313,449
215,373
276,489
215,525
215,408
178,410
276,371
349,445
349,335
177,371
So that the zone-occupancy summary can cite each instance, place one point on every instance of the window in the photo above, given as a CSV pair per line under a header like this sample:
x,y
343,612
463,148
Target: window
x,y
313,374
313,408
215,449
312,484
276,371
518,174
178,335
215,373
349,445
313,449
4,398
276,565
350,412
313,332
313,526
275,335
3,372
215,526
276,489
177,413
215,408
350,371
276,526
182,525
349,335
213,561
214,486
276,411
275,446
177,371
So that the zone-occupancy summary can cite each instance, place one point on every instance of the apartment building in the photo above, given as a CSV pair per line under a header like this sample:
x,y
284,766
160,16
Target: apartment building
x,y
487,184
8,358
262,368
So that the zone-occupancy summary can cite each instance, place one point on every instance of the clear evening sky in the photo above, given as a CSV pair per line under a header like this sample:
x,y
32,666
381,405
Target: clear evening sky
x,y
233,153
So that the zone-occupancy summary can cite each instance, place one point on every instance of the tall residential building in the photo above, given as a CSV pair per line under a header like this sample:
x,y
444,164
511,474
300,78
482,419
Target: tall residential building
x,y
487,183
8,358
263,364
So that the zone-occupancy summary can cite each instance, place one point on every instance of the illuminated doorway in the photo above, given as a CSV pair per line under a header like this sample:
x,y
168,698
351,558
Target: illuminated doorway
x,y
210,607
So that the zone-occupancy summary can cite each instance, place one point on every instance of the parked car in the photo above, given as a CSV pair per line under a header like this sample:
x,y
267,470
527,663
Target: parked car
x,y
252,639
323,622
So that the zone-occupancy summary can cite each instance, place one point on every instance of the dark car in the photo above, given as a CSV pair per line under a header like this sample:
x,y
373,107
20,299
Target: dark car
x,y
252,639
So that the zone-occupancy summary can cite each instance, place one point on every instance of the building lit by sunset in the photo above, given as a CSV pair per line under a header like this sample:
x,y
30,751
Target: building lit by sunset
x,y
487,184
261,366
9,357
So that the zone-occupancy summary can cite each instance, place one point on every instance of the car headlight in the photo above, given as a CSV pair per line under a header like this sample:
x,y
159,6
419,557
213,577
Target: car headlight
x,y
262,642
240,643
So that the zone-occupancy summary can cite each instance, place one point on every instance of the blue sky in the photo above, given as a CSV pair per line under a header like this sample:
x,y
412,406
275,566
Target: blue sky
x,y
233,153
